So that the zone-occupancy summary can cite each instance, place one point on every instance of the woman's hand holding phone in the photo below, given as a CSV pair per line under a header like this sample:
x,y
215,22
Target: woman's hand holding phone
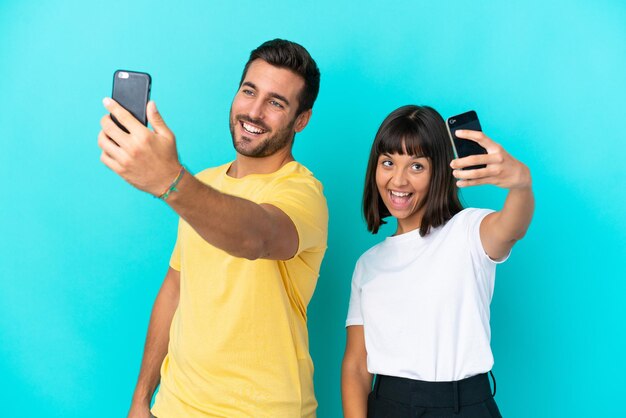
x,y
501,169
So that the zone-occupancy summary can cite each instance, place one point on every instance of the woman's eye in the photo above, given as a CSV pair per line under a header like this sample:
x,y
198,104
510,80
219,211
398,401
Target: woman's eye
x,y
417,166
387,163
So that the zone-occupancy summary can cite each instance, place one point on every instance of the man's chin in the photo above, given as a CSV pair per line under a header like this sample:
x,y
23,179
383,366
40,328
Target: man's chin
x,y
248,151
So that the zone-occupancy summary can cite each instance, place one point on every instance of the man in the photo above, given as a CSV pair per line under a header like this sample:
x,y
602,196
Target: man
x,y
251,239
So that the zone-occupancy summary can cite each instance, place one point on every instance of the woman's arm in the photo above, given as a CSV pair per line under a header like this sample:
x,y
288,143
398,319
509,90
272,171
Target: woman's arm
x,y
356,381
500,230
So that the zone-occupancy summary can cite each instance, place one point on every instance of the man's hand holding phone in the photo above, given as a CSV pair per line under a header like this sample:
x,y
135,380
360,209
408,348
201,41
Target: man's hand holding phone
x,y
145,158
501,169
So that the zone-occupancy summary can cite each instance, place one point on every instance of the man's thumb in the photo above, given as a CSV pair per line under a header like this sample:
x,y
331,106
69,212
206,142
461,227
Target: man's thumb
x,y
157,122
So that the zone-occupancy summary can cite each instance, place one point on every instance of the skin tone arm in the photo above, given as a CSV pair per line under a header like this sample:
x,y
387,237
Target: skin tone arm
x,y
356,381
149,161
238,226
155,347
500,230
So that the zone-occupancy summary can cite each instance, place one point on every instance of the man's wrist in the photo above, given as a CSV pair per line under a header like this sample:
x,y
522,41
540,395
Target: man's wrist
x,y
172,187
143,393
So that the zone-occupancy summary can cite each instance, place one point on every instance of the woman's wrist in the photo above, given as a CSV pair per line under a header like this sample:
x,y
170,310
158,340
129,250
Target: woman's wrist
x,y
525,181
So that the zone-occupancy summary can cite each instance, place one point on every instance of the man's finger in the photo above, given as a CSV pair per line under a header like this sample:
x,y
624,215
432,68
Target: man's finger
x,y
122,115
109,146
157,122
110,162
114,132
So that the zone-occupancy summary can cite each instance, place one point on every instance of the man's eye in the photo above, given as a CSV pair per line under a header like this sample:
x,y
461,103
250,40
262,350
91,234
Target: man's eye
x,y
247,92
276,104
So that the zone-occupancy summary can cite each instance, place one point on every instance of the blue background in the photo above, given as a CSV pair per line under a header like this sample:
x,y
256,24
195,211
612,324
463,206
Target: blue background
x,y
83,253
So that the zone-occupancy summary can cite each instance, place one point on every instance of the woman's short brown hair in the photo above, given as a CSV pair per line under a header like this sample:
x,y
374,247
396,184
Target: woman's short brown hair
x,y
414,130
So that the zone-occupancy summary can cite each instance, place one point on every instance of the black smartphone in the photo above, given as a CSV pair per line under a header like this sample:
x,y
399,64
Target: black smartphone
x,y
131,89
465,147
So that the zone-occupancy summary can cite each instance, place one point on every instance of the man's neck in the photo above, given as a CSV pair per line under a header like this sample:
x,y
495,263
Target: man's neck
x,y
244,166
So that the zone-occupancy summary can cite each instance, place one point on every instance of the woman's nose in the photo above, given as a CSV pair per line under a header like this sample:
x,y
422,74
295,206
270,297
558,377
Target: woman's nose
x,y
399,178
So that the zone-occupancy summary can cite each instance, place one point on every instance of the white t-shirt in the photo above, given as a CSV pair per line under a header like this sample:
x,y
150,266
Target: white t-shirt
x,y
424,302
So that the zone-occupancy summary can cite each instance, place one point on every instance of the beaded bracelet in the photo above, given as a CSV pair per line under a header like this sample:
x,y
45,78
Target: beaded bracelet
x,y
172,187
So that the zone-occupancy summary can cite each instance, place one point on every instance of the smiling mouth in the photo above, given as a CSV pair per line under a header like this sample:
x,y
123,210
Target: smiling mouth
x,y
251,129
400,200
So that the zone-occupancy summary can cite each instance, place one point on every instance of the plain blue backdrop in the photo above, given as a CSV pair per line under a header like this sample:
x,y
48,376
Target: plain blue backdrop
x,y
83,253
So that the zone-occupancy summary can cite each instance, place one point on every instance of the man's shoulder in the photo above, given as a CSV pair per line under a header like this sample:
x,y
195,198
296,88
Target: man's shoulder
x,y
297,172
295,186
212,172
294,168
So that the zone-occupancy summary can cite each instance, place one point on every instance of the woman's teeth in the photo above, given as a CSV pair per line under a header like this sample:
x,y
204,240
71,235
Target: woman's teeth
x,y
400,194
400,200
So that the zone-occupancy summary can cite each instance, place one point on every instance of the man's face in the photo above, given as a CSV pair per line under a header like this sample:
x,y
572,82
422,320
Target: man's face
x,y
263,116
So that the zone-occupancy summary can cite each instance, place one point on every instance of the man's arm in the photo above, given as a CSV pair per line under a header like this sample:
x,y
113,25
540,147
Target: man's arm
x,y
356,381
148,160
155,348
238,226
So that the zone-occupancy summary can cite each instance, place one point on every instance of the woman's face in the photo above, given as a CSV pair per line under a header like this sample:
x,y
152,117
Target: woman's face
x,y
402,182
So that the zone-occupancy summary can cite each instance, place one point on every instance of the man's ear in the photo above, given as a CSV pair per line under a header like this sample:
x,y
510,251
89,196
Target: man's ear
x,y
302,120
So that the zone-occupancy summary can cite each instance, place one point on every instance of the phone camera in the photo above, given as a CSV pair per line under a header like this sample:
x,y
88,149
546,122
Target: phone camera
x,y
123,74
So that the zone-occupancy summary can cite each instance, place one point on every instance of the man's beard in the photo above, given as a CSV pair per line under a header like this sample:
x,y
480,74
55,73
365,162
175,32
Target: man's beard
x,y
268,146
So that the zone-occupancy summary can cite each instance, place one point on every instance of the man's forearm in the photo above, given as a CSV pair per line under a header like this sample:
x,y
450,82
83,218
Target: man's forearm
x,y
157,339
238,226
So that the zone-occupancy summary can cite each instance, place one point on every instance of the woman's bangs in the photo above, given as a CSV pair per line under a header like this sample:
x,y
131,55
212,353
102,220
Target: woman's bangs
x,y
402,140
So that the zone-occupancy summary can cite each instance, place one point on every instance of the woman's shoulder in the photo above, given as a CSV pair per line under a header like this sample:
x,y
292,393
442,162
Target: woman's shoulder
x,y
371,252
372,255
468,216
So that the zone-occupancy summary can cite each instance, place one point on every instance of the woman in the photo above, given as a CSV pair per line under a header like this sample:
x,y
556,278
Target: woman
x,y
419,309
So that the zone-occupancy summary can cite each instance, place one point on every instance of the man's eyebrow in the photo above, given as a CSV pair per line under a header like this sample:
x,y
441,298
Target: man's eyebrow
x,y
272,94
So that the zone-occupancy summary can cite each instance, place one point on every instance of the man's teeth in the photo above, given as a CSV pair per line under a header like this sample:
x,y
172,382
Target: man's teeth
x,y
400,194
252,129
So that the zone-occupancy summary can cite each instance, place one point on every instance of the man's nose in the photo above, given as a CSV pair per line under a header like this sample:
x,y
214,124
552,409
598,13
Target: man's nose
x,y
256,109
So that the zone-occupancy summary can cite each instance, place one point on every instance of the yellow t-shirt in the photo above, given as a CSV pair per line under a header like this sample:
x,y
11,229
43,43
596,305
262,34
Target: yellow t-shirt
x,y
238,341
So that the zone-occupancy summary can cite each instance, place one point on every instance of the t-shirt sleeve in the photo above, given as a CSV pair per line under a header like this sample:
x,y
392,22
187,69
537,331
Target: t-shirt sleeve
x,y
355,316
473,219
175,257
301,198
